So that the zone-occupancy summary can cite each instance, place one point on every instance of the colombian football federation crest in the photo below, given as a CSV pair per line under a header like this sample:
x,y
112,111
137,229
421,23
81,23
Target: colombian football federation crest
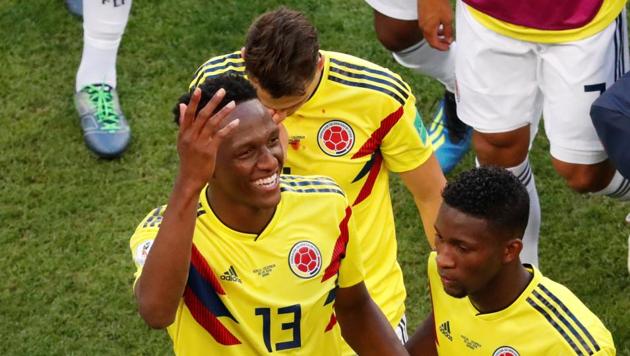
x,y
335,138
305,259
505,351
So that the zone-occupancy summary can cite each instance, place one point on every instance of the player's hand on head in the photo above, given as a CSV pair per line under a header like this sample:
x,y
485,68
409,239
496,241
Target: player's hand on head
x,y
199,137
435,18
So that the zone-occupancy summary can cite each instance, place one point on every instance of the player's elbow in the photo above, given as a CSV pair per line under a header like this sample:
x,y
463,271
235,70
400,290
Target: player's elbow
x,y
154,312
155,317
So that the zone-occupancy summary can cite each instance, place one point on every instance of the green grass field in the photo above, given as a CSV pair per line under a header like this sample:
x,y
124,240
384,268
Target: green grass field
x,y
66,217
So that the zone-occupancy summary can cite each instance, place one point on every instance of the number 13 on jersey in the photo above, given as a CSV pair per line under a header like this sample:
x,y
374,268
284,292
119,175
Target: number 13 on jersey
x,y
293,325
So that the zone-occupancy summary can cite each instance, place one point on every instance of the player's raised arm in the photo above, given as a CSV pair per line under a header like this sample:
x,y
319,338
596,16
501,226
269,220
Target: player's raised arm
x,y
363,325
161,284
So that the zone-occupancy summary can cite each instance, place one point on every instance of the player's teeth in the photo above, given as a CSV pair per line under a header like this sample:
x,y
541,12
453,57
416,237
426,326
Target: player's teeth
x,y
267,181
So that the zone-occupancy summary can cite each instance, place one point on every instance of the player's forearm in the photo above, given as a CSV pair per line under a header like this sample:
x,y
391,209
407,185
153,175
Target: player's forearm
x,y
164,275
422,342
365,328
428,209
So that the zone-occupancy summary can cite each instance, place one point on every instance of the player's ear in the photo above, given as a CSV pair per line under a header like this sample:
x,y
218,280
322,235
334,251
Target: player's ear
x,y
512,250
320,62
243,52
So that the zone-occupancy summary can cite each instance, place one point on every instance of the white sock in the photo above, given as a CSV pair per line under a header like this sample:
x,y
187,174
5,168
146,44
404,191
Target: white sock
x,y
618,188
104,22
425,59
524,173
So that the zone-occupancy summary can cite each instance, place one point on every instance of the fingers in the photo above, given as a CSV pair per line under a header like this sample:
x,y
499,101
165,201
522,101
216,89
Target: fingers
x,y
183,123
223,133
448,32
206,112
191,109
209,129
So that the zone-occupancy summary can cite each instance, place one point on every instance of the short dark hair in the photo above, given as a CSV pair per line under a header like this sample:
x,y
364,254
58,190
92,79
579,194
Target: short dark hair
x,y
236,88
493,194
281,52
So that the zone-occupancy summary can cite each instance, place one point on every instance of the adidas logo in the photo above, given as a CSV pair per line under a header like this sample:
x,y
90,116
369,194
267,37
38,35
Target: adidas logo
x,y
230,275
445,328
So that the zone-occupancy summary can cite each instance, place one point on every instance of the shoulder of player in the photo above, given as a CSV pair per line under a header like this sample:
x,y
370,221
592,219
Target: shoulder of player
x,y
310,185
366,77
226,63
571,320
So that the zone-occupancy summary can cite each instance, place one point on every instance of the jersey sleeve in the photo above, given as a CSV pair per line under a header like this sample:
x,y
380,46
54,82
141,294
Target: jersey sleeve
x,y
406,146
227,63
351,271
142,239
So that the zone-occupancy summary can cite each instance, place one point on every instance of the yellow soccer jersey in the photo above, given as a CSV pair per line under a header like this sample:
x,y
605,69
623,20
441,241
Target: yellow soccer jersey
x,y
607,13
547,319
274,292
360,124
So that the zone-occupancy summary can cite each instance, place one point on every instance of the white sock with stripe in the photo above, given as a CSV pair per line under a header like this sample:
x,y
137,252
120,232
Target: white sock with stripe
x,y
103,27
618,188
427,60
524,173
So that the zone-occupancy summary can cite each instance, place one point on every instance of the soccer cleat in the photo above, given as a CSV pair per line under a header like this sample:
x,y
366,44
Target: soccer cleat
x,y
105,128
75,7
450,137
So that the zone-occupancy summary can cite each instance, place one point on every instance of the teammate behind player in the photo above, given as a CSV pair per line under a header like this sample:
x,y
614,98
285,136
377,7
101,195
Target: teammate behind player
x,y
483,298
285,265
348,119
517,60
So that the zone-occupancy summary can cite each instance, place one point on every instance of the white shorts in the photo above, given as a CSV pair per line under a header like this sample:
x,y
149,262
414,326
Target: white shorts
x,y
504,84
399,9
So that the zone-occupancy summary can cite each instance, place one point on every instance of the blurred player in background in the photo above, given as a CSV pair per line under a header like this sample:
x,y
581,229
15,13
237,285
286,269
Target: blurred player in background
x,y
105,129
518,60
611,117
399,30
242,260
484,300
349,119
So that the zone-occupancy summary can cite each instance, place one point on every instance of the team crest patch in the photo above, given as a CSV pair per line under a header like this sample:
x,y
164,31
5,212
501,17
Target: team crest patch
x,y
142,251
335,138
505,351
305,259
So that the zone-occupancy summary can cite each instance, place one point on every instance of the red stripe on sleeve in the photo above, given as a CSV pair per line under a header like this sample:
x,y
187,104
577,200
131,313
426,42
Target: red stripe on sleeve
x,y
377,136
340,247
331,323
366,190
208,320
204,269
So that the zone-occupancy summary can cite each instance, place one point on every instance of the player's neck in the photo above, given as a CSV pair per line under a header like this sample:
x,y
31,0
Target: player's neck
x,y
502,290
239,217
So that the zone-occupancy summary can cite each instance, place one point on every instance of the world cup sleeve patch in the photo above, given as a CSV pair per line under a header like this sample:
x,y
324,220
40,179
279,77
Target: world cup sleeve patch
x,y
335,138
422,131
142,251
305,260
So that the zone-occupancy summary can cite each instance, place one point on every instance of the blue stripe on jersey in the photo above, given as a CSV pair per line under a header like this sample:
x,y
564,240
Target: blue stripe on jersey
x,y
312,190
304,181
368,86
206,294
571,315
331,296
215,61
353,75
371,70
555,325
555,311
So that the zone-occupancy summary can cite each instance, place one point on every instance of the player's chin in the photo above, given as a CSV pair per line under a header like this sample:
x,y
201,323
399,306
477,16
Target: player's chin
x,y
455,291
